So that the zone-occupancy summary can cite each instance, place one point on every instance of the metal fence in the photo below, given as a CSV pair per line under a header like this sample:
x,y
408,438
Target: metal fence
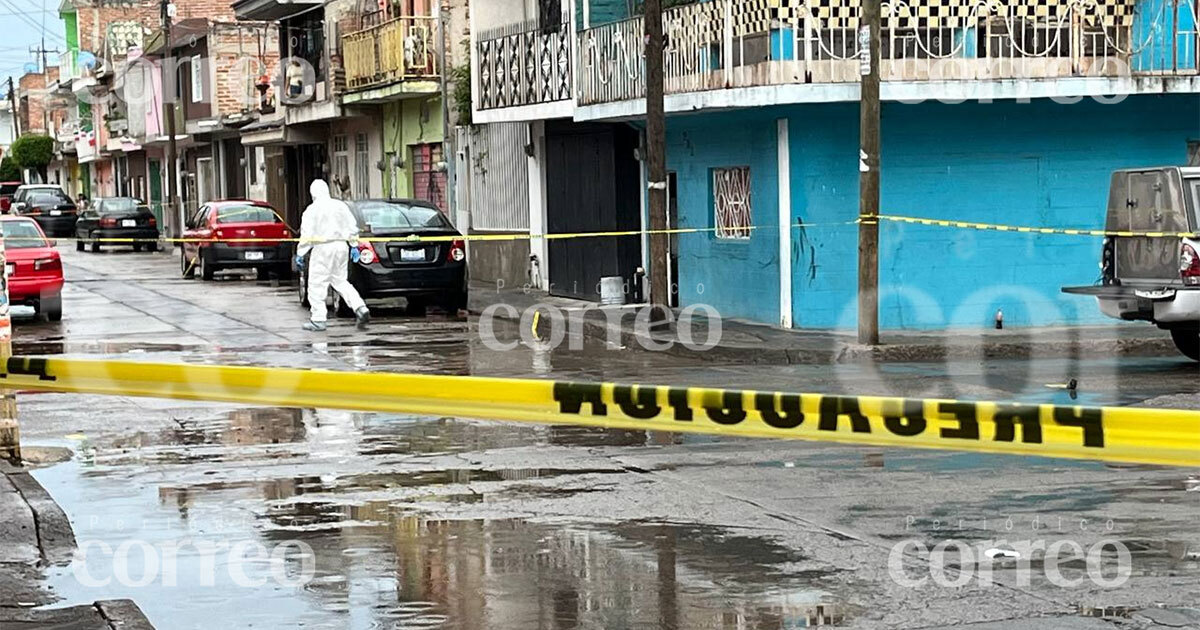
x,y
493,176
743,43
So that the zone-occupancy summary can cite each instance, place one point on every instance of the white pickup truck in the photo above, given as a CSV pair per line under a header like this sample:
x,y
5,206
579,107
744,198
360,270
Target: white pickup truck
x,y
1154,274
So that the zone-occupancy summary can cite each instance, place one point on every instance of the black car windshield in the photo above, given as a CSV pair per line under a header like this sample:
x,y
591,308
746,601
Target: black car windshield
x,y
47,198
246,214
118,204
390,215
22,235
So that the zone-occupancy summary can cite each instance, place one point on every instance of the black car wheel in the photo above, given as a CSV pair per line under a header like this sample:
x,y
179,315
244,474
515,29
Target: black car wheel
x,y
137,247
78,244
206,268
152,246
186,268
95,244
303,291
455,302
414,307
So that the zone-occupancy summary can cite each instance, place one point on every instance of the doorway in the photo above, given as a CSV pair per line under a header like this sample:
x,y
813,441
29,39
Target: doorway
x,y
155,168
593,182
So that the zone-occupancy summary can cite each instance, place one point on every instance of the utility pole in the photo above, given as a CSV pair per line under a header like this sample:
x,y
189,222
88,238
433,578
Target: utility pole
x,y
40,52
173,216
868,175
16,113
448,152
656,157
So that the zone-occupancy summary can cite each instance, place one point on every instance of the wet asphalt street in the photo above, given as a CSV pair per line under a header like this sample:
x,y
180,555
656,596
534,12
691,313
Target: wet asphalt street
x,y
422,522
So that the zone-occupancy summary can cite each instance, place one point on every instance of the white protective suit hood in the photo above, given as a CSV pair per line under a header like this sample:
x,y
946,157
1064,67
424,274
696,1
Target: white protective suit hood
x,y
326,220
319,190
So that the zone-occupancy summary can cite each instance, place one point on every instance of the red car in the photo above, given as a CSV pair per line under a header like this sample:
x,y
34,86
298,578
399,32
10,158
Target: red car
x,y
226,235
7,189
35,272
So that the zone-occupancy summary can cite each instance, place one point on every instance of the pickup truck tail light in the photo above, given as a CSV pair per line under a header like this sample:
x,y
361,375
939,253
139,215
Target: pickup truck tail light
x,y
1189,266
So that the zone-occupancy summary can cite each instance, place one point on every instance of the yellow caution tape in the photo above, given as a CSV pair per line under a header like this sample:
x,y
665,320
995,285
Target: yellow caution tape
x,y
868,220
1026,229
1149,436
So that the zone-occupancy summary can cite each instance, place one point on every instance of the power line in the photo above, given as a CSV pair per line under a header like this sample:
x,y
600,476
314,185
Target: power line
x,y
29,21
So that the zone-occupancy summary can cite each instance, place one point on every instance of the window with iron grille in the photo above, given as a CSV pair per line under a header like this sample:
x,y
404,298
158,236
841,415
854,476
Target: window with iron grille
x,y
731,202
429,182
362,166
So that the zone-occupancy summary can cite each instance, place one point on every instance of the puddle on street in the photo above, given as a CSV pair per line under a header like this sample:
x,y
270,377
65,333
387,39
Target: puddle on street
x,y
240,550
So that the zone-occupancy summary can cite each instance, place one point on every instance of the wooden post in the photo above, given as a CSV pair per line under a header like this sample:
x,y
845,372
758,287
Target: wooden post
x,y
868,179
10,431
656,157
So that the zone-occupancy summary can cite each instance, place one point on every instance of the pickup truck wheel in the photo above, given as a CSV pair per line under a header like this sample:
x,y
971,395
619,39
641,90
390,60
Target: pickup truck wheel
x,y
1188,342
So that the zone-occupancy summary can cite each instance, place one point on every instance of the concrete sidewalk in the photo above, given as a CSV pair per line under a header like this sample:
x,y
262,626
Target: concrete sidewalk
x,y
752,343
35,533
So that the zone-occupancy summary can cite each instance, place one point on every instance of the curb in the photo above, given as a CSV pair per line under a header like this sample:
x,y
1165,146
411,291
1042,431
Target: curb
x,y
56,539
843,352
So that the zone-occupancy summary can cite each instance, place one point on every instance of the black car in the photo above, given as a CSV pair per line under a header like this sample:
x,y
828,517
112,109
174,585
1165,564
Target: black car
x,y
394,261
49,206
117,218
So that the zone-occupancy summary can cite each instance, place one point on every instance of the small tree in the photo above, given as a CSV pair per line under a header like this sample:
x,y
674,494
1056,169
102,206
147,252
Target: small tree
x,y
9,171
33,152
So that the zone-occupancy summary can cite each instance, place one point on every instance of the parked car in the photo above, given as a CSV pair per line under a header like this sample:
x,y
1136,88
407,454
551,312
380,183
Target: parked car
x,y
7,190
1153,278
226,235
116,218
394,263
35,273
48,205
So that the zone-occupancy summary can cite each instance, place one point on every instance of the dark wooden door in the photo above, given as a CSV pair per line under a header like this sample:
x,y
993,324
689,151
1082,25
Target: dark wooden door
x,y
591,186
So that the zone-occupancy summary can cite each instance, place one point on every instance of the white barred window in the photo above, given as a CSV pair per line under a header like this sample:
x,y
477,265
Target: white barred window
x,y
731,202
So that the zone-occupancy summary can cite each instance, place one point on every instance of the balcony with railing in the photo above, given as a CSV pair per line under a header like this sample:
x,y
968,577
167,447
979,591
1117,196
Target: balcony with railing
x,y
525,64
721,44
401,49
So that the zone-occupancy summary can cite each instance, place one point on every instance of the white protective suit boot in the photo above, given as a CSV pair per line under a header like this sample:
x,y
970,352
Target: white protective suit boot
x,y
327,230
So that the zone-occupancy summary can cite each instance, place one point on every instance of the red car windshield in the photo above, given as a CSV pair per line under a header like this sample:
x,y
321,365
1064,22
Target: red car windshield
x,y
22,235
246,214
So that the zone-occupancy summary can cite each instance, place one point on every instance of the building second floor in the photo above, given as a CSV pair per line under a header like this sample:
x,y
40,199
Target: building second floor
x,y
536,59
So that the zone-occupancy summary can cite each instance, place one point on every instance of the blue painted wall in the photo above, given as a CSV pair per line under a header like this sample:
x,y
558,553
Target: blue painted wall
x,y
739,277
1039,163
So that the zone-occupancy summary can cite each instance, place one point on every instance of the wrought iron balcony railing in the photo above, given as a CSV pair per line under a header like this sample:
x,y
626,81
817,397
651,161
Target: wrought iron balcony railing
x,y
525,65
745,43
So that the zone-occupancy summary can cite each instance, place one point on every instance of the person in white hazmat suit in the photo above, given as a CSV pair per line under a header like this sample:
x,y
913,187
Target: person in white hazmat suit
x,y
328,230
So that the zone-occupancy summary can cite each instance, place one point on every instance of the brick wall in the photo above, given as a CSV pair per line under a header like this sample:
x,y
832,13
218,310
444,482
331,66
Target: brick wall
x,y
95,15
240,53
31,90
